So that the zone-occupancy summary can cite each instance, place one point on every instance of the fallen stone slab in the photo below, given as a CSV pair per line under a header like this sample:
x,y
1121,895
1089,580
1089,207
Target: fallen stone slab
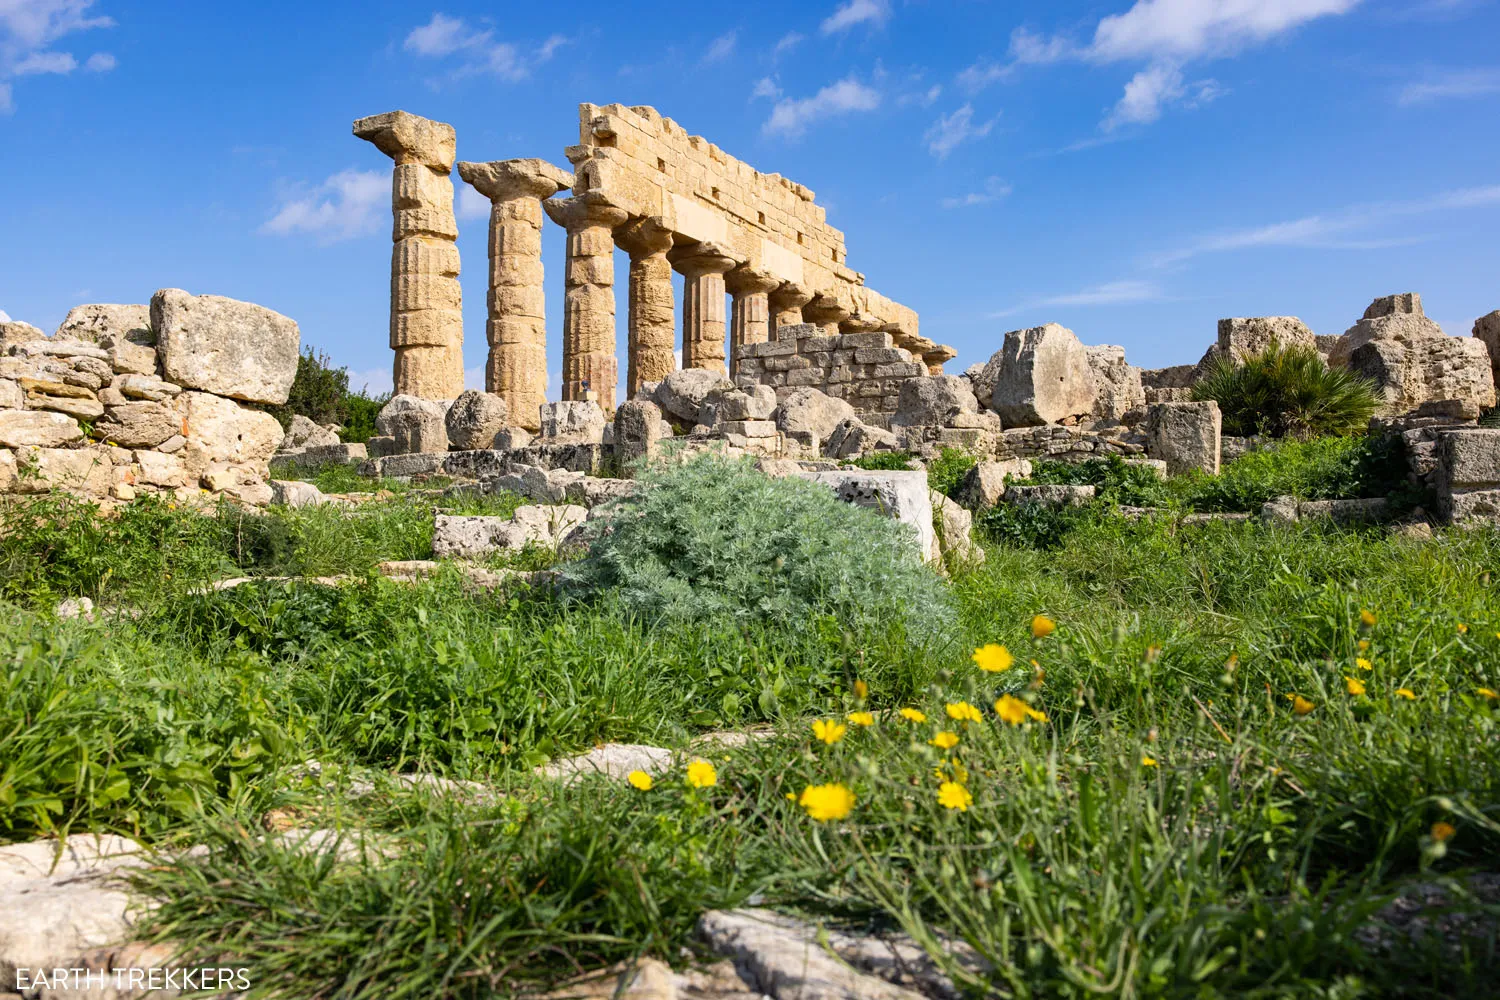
x,y
984,484
900,496
613,760
648,979
1050,495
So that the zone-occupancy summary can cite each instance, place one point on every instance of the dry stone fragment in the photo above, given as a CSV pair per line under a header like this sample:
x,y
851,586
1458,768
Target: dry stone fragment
x,y
139,425
572,421
1050,495
933,402
7,470
40,428
955,531
417,426
851,438
1117,384
157,469
99,322
1185,436
474,419
83,406
294,493
219,430
224,346
146,387
1040,376
302,432
16,332
85,471
638,431
612,760
900,496
1240,337
684,393
810,416
984,484
59,349
11,397
1487,332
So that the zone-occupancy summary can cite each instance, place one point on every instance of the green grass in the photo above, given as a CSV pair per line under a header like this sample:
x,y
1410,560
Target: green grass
x,y
1241,864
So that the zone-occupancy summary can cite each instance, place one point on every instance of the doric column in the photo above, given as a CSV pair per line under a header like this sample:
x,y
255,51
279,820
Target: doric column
x,y
516,369
702,266
427,324
786,306
652,337
750,312
826,312
588,363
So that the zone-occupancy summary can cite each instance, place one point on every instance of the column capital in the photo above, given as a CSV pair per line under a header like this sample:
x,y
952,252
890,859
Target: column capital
x,y
582,211
825,308
697,259
748,280
507,180
859,322
409,138
644,237
790,295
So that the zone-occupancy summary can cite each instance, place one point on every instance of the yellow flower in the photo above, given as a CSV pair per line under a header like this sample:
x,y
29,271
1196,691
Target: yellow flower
x,y
828,731
1301,705
861,690
1042,626
962,711
1462,628
952,795
944,740
1363,644
1442,831
1366,618
1148,761
1488,693
827,802
913,715
1015,711
640,779
993,659
701,774
1407,693
1354,686
1362,663
862,718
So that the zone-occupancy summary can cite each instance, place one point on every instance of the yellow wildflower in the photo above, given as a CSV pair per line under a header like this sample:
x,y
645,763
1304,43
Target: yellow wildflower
x,y
861,690
1354,686
1442,831
913,715
701,774
1042,626
862,718
1301,705
827,802
1363,644
993,659
1407,693
640,779
1366,618
962,711
1148,761
828,731
944,740
1015,711
1462,628
1363,664
952,795
1489,693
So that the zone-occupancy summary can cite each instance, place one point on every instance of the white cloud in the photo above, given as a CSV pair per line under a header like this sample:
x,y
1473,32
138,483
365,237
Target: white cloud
x,y
765,87
28,28
951,130
721,48
1332,231
994,190
1147,91
855,12
373,381
101,62
1188,29
471,204
1108,294
474,378
6,104
921,98
792,116
1461,83
787,42
478,51
350,203
61,63
5,317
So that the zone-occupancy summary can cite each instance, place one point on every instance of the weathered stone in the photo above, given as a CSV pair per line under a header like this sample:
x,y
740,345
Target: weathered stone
x,y
754,402
474,419
811,416
786,958
138,425
84,471
40,428
1050,495
592,492
220,430
418,426
580,421
612,760
1185,436
15,332
96,323
224,346
1470,507
1364,510
1040,376
1117,384
11,397
551,524
59,349
157,469
1279,510
1406,303
1241,337
954,526
933,402
473,537
1487,332
901,496
1156,465
511,438
1468,457
7,470
851,438
684,393
1410,373
146,387
82,405
295,493
302,432
984,484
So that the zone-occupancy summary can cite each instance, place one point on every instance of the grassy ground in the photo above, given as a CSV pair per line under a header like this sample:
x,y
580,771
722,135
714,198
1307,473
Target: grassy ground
x,y
1240,743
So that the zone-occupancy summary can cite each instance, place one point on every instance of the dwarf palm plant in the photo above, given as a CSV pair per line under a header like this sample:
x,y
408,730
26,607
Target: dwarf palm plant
x,y
1286,392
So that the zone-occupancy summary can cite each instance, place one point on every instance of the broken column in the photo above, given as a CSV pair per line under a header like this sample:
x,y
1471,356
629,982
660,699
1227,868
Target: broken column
x,y
750,311
703,266
652,319
786,304
516,369
588,363
427,330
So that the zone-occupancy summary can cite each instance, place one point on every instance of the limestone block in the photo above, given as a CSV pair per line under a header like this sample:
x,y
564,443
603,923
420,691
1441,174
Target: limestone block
x,y
955,531
96,323
474,419
1406,303
1050,495
1117,384
220,345
1469,457
156,469
11,396
418,426
1487,332
901,496
83,407
1411,372
852,438
85,471
1040,376
684,393
1240,337
145,387
294,493
754,402
216,429
577,421
38,428
1185,436
808,412
132,353
510,438
16,332
139,425
638,431
550,524
59,349
1470,507
985,483
303,433
933,402
408,138
750,428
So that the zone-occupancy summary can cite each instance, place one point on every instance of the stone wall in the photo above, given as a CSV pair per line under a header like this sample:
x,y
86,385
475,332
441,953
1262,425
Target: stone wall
x,y
158,398
864,369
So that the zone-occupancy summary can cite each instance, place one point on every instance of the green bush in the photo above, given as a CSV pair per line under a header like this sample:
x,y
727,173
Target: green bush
x,y
945,472
1286,392
1323,469
711,539
1113,480
883,461
320,392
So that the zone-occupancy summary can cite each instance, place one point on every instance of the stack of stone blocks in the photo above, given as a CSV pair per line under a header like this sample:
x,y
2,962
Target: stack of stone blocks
x,y
865,369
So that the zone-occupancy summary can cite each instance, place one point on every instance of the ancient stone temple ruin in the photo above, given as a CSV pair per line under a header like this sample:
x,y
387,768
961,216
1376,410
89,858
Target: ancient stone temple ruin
x,y
799,315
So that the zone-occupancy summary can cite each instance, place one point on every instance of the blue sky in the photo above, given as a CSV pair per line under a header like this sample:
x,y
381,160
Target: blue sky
x,y
1133,169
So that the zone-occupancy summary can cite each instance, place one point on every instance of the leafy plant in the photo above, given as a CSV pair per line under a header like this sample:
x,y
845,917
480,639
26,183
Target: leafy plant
x,y
321,393
880,461
1286,392
947,470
